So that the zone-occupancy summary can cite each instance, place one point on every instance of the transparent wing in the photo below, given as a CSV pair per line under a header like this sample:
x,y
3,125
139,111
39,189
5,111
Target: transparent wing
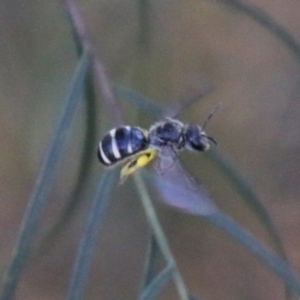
x,y
178,188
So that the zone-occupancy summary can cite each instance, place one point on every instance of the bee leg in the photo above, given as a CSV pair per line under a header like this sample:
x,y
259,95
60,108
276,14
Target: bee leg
x,y
139,161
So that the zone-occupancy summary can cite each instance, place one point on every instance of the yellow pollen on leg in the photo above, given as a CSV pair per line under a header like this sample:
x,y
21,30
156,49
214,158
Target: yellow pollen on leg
x,y
140,160
143,160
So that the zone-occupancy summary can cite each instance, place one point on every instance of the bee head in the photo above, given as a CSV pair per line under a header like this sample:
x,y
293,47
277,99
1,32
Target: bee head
x,y
196,138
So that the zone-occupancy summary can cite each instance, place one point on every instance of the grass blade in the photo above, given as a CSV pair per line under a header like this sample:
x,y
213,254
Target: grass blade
x,y
249,195
150,107
267,22
142,102
160,236
193,297
90,235
153,258
157,284
85,165
38,199
248,240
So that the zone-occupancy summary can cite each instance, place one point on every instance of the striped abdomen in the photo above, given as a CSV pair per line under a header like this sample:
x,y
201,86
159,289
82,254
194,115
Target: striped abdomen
x,y
120,143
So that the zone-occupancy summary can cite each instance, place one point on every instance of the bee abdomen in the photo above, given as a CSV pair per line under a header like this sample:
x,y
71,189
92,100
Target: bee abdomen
x,y
120,143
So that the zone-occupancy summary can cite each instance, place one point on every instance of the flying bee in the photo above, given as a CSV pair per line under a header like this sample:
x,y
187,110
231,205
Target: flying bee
x,y
137,147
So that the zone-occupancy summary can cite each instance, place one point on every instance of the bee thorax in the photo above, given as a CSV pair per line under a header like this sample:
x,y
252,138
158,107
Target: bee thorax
x,y
167,133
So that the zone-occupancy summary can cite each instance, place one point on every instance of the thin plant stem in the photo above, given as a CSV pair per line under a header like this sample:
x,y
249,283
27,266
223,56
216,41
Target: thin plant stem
x,y
99,71
38,200
95,219
267,22
160,236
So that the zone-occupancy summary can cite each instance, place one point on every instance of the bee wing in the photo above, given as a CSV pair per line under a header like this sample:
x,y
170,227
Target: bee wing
x,y
178,188
183,104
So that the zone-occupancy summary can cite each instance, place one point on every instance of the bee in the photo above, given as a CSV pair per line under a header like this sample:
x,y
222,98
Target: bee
x,y
136,147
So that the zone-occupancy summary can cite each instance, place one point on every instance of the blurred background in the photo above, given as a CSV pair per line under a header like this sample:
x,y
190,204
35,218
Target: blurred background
x,y
188,47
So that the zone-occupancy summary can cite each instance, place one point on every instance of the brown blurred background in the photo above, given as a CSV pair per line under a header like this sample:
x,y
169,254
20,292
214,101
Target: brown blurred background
x,y
192,44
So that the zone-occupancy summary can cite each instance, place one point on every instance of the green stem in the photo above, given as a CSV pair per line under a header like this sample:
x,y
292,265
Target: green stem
x,y
160,236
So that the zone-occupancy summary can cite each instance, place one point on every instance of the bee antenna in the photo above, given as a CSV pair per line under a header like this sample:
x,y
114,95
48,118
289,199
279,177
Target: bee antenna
x,y
212,139
216,108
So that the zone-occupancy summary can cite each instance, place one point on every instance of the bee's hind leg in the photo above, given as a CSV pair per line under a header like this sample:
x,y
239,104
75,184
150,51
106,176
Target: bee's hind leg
x,y
140,160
